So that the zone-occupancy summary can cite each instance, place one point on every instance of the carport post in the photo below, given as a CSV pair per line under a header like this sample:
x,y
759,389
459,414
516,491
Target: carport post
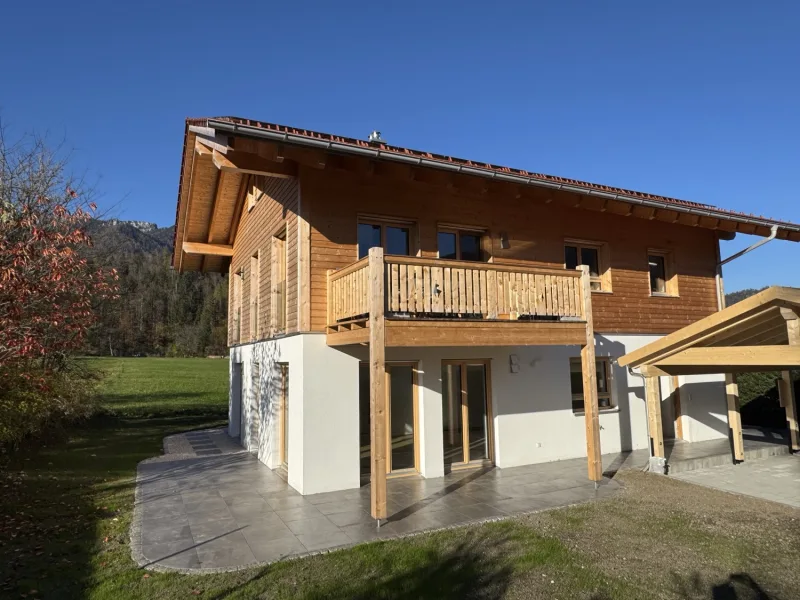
x,y
734,416
785,385
652,387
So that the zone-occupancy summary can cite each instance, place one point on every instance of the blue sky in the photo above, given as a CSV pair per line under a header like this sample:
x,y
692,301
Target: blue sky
x,y
670,98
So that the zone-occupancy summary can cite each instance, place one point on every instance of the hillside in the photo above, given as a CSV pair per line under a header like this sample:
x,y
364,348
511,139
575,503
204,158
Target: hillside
x,y
159,312
735,297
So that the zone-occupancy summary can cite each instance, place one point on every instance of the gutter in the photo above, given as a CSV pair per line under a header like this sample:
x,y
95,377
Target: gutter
x,y
720,290
289,138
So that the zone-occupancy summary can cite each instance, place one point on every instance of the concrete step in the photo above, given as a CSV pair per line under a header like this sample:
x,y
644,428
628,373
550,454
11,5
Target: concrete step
x,y
718,460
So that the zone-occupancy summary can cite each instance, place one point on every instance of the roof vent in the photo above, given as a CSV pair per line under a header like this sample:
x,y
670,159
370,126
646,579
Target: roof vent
x,y
375,138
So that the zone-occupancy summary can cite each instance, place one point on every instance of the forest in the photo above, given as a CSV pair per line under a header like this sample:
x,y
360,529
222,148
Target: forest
x,y
158,312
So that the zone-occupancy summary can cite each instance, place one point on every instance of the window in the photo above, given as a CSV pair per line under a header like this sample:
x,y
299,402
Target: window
x,y
394,238
457,244
278,276
255,293
663,280
603,366
594,256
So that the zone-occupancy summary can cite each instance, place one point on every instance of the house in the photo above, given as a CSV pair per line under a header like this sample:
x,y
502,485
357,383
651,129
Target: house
x,y
396,312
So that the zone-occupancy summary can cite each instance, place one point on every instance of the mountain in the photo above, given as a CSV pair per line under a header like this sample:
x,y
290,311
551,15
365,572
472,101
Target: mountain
x,y
114,236
159,311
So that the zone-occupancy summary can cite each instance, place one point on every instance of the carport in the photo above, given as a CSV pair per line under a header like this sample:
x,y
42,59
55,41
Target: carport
x,y
761,333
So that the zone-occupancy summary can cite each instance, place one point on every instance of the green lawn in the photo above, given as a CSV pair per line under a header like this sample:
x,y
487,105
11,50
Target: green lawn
x,y
66,512
158,386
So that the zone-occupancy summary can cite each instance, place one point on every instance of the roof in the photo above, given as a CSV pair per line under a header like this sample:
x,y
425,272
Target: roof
x,y
214,163
244,126
751,335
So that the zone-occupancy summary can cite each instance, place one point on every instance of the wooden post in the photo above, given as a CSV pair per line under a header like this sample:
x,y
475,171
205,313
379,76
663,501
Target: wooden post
x,y
377,379
788,401
787,397
676,401
653,396
734,417
329,296
589,369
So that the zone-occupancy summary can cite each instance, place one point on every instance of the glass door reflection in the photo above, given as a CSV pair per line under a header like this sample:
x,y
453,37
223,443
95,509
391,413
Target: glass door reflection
x,y
465,413
402,446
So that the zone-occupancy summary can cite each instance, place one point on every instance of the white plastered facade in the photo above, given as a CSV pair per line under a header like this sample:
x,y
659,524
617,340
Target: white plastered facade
x,y
532,415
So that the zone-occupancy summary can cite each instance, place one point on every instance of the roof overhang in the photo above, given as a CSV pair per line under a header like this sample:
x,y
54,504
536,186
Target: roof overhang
x,y
212,192
752,335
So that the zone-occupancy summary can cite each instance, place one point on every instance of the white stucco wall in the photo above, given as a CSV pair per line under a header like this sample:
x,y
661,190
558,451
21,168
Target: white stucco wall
x,y
323,426
532,412
704,408
260,433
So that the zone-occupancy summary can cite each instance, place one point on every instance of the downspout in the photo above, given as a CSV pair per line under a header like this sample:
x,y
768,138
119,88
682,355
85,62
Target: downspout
x,y
720,288
646,417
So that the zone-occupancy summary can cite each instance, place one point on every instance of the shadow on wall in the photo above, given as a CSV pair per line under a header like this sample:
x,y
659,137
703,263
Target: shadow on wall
x,y
267,404
705,403
256,386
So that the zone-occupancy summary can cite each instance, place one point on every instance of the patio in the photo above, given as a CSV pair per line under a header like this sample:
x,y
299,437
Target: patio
x,y
207,505
228,511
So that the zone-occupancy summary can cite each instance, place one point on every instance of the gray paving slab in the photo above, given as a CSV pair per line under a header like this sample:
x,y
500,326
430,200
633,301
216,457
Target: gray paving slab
x,y
776,478
197,513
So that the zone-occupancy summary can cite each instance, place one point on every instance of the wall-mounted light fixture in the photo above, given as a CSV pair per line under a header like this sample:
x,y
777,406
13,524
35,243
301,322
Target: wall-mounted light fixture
x,y
504,244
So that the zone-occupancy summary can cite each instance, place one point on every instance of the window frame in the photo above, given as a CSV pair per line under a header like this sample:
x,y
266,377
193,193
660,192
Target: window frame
x,y
670,274
603,277
383,223
254,192
609,373
480,232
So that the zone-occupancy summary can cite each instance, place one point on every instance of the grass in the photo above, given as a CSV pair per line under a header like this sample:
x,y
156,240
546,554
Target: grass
x,y
158,386
67,507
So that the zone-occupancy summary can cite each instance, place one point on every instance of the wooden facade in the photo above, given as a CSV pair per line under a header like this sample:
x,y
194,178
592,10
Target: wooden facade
x,y
536,230
527,229
242,197
237,213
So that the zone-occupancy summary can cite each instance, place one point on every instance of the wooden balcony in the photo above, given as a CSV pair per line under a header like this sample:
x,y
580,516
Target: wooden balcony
x,y
435,302
383,301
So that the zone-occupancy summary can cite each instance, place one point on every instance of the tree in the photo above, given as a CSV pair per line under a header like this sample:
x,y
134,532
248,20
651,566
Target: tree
x,y
47,286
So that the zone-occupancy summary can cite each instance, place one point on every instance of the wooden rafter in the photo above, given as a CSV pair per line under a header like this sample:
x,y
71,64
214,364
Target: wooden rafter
x,y
207,249
252,164
730,358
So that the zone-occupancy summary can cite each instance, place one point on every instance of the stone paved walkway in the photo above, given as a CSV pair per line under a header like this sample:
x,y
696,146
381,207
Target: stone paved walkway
x,y
225,510
776,478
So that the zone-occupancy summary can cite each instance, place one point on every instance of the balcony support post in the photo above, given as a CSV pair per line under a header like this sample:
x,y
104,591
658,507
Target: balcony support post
x,y
377,377
588,366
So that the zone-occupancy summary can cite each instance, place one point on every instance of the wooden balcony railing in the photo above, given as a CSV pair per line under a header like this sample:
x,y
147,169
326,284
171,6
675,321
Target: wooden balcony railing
x,y
448,289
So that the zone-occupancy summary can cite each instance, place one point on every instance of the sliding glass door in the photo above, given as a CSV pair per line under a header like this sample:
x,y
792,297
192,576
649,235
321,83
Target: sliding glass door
x,y
466,412
402,447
